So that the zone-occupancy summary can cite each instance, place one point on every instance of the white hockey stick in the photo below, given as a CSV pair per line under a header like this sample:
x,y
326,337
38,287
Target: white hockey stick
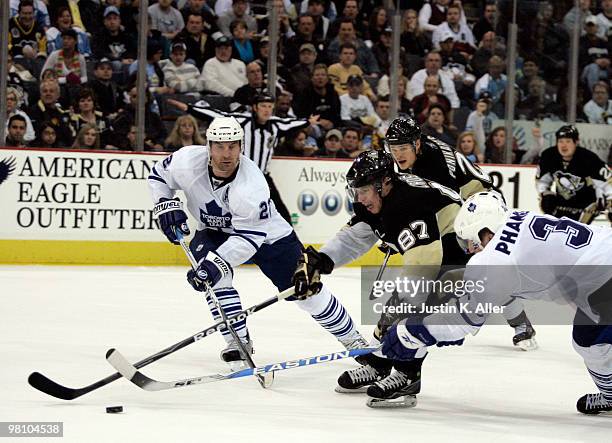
x,y
125,368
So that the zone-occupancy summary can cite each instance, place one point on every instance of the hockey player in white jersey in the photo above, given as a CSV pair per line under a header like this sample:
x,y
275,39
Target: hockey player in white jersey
x,y
228,196
530,256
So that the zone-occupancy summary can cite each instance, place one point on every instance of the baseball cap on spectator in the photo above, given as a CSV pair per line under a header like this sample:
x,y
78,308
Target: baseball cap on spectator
x,y
69,33
179,46
223,41
387,30
103,61
333,133
447,35
590,20
111,10
485,95
596,53
308,47
354,80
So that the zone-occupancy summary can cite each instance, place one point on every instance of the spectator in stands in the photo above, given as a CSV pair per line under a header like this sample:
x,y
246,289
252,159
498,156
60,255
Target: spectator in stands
x,y
468,146
494,82
599,109
455,64
354,105
377,24
297,144
304,34
47,137
155,74
464,39
300,74
238,11
319,98
413,39
432,15
529,72
14,100
88,137
436,125
537,104
364,57
383,112
382,51
551,43
584,9
282,107
496,145
223,74
184,133
109,96
199,42
48,109
405,106
340,72
27,42
351,143
201,8
21,79
487,48
166,19
68,63
433,65
40,14
332,144
316,8
85,114
113,42
590,42
255,86
480,120
16,132
597,70
421,103
155,132
244,48
63,23
350,12
282,73
604,19
181,77
487,21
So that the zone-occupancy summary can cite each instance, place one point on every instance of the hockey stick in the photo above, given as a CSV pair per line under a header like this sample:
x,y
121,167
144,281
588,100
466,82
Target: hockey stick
x,y
264,380
380,272
44,384
130,372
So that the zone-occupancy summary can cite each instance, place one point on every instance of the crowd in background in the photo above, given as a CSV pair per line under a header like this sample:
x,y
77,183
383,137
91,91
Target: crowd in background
x,y
72,70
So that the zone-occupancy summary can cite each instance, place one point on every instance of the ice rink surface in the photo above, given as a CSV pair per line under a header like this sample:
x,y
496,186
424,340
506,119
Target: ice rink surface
x,y
61,320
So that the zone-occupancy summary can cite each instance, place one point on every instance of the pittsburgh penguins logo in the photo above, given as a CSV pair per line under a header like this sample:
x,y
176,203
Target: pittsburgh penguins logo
x,y
567,184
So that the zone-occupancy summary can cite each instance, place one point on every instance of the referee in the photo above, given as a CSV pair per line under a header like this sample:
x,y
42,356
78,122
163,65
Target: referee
x,y
262,132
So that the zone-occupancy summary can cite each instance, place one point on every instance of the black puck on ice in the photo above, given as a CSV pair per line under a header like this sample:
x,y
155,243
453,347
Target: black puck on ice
x,y
114,409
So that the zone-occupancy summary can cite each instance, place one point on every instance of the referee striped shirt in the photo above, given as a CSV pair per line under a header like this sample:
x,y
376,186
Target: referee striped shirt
x,y
259,140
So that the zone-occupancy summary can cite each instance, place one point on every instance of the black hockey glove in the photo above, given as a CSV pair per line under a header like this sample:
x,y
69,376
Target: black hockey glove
x,y
171,216
384,248
307,276
548,202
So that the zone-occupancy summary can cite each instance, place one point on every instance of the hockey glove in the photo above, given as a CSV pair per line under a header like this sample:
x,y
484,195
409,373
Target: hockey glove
x,y
307,276
548,202
402,341
210,270
171,217
384,248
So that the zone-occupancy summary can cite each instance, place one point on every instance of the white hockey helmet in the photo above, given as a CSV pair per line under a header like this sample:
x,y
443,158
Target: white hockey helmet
x,y
225,129
481,210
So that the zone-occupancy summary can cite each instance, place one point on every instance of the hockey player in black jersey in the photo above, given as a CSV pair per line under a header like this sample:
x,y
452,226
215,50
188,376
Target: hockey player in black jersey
x,y
432,159
582,182
414,217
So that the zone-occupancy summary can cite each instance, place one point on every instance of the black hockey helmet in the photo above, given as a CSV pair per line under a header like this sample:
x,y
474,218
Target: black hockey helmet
x,y
567,131
370,167
403,130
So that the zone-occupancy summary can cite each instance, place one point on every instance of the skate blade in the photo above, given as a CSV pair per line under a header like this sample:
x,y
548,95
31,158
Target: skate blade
x,y
405,401
527,345
340,390
237,365
266,380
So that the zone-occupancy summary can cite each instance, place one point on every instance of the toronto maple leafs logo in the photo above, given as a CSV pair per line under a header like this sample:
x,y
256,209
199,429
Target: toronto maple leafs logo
x,y
7,167
213,216
567,184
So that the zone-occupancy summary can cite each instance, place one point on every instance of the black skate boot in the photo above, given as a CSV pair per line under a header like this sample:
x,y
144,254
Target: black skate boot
x,y
524,333
398,390
232,355
357,380
593,404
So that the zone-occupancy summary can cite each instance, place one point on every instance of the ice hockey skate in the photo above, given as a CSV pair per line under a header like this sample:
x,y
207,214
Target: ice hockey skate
x,y
398,390
232,354
592,404
356,381
524,337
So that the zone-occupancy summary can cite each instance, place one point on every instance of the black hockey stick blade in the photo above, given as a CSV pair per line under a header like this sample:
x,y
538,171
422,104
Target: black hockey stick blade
x,y
49,387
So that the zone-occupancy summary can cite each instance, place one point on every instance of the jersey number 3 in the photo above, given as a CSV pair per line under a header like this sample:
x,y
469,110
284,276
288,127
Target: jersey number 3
x,y
578,235
406,239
